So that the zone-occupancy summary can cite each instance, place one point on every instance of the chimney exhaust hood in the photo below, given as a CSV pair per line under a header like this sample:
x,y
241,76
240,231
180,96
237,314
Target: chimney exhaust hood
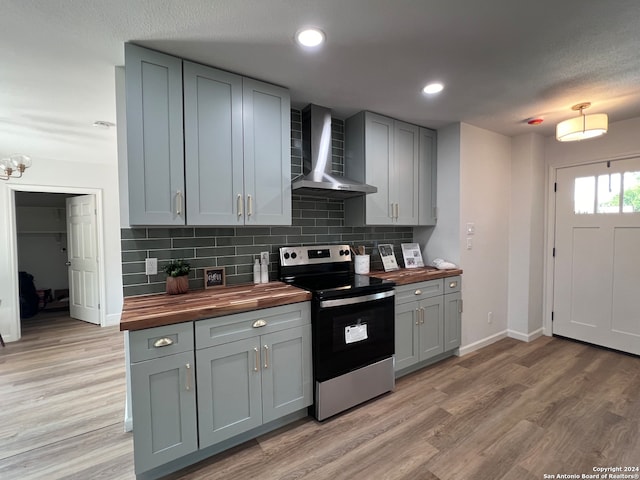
x,y
316,178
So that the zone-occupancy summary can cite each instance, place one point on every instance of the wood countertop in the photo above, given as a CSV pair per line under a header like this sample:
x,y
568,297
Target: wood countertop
x,y
156,310
405,276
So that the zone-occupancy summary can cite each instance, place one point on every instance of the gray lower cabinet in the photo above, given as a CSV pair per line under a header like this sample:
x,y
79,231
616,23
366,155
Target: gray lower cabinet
x,y
253,368
163,395
427,322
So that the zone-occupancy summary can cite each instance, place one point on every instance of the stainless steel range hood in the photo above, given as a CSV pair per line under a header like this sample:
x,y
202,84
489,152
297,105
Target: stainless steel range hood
x,y
316,178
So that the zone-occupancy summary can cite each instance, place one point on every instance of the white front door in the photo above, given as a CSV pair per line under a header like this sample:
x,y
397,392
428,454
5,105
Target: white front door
x,y
597,254
83,258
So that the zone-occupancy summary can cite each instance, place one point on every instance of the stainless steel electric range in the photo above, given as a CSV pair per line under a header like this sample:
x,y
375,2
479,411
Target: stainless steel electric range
x,y
352,321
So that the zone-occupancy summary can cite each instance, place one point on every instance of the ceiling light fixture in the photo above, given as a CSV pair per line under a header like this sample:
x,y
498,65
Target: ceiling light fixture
x,y
310,37
103,124
14,166
433,88
582,127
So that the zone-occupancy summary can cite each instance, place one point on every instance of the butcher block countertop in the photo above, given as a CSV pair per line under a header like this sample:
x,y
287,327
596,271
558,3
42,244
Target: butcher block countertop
x,y
156,310
404,276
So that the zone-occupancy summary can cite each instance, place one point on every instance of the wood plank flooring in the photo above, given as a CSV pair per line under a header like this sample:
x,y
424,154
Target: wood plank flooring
x,y
512,411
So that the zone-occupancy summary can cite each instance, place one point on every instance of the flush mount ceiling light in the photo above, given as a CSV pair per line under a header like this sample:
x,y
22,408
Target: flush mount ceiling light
x,y
433,88
103,124
310,37
582,127
14,166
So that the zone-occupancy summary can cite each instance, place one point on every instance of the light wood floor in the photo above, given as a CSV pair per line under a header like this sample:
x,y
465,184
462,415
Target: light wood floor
x,y
509,411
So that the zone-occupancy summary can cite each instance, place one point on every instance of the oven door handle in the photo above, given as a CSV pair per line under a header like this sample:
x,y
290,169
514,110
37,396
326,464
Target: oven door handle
x,y
340,302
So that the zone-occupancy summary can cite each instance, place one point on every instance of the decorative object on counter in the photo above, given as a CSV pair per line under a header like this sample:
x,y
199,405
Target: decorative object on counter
x,y
214,277
264,267
14,166
361,264
177,276
412,255
441,264
256,271
388,257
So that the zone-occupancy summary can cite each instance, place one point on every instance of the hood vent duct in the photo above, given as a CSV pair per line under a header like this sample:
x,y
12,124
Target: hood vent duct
x,y
316,178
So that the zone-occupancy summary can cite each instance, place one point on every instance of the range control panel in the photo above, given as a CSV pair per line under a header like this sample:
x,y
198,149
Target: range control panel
x,y
314,254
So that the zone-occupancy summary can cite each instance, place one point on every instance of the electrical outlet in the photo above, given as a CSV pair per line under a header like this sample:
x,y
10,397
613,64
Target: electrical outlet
x,y
490,317
151,266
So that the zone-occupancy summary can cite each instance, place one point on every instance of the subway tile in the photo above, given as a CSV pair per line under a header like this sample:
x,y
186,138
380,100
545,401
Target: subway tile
x,y
131,233
134,256
135,279
174,253
215,251
253,249
215,232
303,222
132,291
193,242
135,267
145,244
285,230
248,231
226,241
269,239
237,260
315,230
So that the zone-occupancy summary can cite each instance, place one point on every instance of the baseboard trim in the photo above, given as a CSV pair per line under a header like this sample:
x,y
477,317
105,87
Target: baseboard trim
x,y
525,337
472,347
111,320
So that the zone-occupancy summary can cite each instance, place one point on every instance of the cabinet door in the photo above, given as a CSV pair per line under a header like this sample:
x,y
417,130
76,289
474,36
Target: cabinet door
x,y
431,327
379,150
286,372
428,182
452,320
407,335
213,145
405,173
267,154
163,404
229,396
154,137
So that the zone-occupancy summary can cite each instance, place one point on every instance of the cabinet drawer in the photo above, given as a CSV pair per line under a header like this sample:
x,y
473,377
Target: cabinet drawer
x,y
418,291
160,341
452,284
219,330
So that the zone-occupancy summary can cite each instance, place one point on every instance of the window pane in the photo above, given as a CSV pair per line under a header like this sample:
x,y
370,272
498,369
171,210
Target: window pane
x,y
631,197
584,195
609,193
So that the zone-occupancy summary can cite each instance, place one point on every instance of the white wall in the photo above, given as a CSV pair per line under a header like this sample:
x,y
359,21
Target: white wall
x,y
485,177
77,177
526,237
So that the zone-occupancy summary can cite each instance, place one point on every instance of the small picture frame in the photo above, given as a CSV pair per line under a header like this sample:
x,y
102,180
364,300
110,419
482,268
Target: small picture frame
x,y
388,257
214,277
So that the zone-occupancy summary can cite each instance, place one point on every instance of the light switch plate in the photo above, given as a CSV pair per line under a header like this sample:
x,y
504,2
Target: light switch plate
x,y
150,266
471,228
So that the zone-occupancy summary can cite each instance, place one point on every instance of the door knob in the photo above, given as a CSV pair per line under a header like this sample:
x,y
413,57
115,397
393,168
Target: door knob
x,y
68,264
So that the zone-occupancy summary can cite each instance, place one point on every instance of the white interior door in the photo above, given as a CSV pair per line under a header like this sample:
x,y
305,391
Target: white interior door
x,y
84,301
597,263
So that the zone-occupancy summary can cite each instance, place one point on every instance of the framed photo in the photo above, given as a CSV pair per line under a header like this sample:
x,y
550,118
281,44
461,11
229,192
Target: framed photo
x,y
388,257
412,255
214,277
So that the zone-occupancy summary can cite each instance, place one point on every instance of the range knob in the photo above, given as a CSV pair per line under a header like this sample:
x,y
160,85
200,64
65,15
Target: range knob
x,y
293,255
286,255
346,252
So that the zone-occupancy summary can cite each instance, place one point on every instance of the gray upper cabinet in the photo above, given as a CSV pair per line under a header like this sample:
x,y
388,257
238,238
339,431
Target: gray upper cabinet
x,y
154,137
267,154
398,159
234,165
213,144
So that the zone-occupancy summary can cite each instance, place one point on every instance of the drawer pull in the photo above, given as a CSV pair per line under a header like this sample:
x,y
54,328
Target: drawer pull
x,y
259,323
162,342
418,292
256,365
266,356
417,316
453,284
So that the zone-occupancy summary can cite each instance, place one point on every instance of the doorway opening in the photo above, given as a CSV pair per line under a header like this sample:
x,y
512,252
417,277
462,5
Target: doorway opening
x,y
57,246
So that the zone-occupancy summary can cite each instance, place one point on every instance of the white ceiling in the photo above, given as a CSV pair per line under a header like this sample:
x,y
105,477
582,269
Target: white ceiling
x,y
502,61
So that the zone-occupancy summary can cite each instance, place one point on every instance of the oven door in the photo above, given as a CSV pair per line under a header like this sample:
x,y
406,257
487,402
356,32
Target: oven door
x,y
352,332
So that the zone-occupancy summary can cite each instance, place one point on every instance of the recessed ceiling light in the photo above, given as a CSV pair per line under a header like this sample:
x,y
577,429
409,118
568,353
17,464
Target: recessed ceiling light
x,y
310,37
433,88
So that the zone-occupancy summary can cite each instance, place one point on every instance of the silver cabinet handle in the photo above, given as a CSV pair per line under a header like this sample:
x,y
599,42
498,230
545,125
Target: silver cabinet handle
x,y
239,205
453,284
249,206
256,365
418,292
397,210
422,316
188,384
163,342
417,316
266,356
392,210
259,323
178,202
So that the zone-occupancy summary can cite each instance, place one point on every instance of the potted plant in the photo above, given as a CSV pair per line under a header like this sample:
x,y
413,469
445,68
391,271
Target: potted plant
x,y
177,276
